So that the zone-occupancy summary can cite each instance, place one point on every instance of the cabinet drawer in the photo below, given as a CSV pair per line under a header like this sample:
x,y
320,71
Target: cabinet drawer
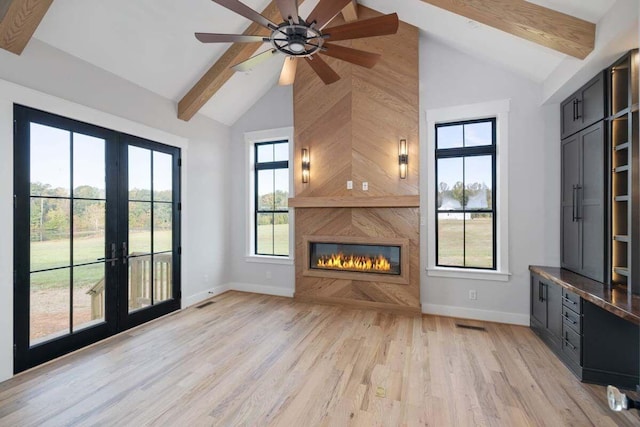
x,y
571,300
571,345
572,319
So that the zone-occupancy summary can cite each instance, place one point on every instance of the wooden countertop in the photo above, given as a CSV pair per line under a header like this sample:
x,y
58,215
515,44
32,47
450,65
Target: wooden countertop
x,y
613,299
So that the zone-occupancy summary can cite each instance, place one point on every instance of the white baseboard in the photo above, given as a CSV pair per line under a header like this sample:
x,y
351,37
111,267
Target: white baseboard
x,y
261,289
201,296
476,314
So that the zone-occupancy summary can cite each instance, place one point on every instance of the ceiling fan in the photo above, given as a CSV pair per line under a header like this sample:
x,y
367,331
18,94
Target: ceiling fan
x,y
298,38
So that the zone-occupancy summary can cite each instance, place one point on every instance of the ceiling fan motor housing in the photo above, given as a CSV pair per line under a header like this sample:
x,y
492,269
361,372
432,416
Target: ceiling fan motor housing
x,y
298,40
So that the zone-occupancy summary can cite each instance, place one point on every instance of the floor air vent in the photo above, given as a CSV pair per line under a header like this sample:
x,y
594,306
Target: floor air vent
x,y
205,304
475,328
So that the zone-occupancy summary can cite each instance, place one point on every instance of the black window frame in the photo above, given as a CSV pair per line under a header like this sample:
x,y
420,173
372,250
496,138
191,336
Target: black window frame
x,y
258,166
463,152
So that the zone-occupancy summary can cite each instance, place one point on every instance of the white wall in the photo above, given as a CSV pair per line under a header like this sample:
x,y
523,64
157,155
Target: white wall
x,y
450,78
274,110
48,79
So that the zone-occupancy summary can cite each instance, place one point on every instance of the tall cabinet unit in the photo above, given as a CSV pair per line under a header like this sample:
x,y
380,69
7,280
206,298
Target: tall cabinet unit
x,y
584,182
625,184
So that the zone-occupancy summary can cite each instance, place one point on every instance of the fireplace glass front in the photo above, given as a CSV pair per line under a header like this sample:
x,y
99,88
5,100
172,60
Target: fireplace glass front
x,y
361,258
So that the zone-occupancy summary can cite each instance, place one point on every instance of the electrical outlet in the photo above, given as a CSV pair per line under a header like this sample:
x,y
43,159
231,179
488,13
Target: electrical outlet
x,y
473,294
365,186
349,185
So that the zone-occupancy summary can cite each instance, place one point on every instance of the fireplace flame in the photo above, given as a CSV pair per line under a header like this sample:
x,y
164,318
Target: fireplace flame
x,y
350,262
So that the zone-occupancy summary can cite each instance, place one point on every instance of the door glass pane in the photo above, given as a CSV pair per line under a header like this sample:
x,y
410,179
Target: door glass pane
x,y
139,173
88,167
281,234
478,172
281,181
139,282
162,227
479,240
162,177
450,187
88,295
50,163
139,228
162,277
477,134
266,199
451,239
265,234
88,231
281,152
49,303
50,233
449,136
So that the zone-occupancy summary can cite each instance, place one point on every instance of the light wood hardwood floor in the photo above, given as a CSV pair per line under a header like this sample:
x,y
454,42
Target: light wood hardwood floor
x,y
260,360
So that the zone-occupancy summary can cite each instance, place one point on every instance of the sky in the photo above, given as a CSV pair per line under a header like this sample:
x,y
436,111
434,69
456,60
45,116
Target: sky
x,y
50,161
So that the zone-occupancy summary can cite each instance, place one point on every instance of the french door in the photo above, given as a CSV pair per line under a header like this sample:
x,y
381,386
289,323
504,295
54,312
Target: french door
x,y
96,234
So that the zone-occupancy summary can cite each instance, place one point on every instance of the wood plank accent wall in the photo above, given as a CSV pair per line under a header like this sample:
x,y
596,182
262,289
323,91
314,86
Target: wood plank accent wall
x,y
352,129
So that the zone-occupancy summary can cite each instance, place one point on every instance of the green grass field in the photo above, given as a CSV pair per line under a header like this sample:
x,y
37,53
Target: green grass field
x,y
276,241
478,242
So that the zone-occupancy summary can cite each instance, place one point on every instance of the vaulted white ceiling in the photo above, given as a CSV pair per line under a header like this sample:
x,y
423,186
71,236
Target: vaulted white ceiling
x,y
151,42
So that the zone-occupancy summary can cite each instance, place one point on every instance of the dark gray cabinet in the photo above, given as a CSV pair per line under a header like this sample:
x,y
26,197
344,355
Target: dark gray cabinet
x,y
583,192
583,108
546,305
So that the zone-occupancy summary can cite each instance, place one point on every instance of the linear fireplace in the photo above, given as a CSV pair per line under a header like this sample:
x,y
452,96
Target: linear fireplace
x,y
377,259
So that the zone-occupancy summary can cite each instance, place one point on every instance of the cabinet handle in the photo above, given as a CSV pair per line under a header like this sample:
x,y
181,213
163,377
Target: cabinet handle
x,y
573,203
573,322
578,206
568,300
540,292
578,115
566,340
574,109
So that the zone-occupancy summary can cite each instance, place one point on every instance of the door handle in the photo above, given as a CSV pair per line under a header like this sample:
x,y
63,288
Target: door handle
x,y
125,254
114,256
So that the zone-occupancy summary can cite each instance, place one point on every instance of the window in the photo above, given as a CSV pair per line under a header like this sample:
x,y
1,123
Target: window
x,y
465,186
271,194
465,193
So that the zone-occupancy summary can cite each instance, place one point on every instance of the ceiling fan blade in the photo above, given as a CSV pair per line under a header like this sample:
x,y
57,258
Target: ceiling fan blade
x,y
288,74
254,60
229,38
244,10
355,56
325,11
379,26
322,69
288,8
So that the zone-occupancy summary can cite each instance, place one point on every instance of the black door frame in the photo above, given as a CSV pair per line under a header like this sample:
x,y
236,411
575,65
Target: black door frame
x,y
117,318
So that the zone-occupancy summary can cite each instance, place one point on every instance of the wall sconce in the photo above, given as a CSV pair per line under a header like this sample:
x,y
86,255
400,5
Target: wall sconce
x,y
403,158
306,165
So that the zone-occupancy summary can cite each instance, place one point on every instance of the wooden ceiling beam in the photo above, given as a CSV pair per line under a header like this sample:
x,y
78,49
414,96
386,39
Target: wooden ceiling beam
x,y
350,11
221,71
541,25
19,20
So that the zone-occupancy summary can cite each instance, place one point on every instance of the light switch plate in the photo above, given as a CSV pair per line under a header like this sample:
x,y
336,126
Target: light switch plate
x,y
365,186
349,185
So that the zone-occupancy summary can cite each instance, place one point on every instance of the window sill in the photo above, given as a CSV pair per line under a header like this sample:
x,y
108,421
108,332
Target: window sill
x,y
266,259
463,273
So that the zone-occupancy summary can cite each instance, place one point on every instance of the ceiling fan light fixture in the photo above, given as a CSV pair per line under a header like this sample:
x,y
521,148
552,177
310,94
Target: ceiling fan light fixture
x,y
296,47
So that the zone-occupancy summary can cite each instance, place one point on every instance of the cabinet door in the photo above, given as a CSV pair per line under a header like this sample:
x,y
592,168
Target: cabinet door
x,y
570,227
538,301
568,116
591,201
554,309
590,108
